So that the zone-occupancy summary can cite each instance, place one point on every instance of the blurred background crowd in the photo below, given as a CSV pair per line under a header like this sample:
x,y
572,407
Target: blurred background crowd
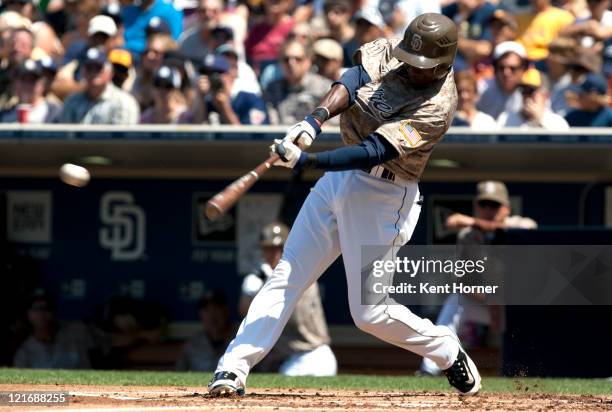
x,y
521,63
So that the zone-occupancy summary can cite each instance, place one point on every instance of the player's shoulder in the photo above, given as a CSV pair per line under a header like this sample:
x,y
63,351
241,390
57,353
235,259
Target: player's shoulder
x,y
377,57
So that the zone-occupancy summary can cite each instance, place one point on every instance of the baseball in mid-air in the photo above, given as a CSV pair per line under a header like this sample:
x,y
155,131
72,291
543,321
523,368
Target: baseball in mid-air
x,y
74,175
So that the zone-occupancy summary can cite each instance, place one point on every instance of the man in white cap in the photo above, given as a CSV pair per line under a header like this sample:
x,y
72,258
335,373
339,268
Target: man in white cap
x,y
509,63
328,58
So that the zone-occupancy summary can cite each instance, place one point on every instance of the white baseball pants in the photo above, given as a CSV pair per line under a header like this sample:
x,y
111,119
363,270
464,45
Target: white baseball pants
x,y
344,211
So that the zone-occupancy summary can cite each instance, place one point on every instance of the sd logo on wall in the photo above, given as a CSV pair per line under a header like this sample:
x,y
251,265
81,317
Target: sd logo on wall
x,y
124,233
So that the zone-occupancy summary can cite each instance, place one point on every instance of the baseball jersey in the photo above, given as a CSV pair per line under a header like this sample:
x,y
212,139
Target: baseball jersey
x,y
412,120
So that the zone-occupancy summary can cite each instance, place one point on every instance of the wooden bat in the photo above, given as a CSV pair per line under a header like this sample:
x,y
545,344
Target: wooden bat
x,y
227,198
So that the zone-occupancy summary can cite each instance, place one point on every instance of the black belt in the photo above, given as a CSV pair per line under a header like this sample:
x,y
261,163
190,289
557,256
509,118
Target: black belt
x,y
389,175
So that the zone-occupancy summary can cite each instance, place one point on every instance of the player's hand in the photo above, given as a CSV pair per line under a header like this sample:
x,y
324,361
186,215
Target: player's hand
x,y
302,134
288,152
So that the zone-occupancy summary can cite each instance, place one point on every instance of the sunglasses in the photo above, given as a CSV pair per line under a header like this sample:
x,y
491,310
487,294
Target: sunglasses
x,y
488,204
299,59
504,67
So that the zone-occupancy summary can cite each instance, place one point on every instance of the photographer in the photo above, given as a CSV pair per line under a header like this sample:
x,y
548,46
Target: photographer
x,y
215,102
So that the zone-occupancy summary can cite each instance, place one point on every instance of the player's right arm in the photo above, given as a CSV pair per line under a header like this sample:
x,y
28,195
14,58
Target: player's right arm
x,y
339,98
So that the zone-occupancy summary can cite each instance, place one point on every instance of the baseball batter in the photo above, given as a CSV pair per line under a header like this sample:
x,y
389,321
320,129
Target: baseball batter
x,y
396,104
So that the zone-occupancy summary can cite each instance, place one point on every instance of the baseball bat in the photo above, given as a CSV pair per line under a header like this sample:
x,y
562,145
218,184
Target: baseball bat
x,y
227,198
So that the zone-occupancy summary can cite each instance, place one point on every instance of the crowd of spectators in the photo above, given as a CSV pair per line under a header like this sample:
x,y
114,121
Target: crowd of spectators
x,y
521,63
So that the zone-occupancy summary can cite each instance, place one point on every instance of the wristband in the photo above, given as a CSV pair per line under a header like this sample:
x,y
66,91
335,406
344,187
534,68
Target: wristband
x,y
321,114
311,120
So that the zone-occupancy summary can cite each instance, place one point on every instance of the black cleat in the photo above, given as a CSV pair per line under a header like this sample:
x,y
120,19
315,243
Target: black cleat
x,y
463,375
225,384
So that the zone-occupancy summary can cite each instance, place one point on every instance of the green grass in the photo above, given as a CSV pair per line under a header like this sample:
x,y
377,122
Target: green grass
x,y
356,382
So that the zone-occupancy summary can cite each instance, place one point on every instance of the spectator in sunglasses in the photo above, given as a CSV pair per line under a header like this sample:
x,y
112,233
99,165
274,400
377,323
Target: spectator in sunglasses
x,y
535,110
170,105
467,114
291,98
509,62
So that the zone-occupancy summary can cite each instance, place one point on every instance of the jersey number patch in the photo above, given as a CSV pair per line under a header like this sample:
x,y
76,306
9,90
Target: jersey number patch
x,y
411,134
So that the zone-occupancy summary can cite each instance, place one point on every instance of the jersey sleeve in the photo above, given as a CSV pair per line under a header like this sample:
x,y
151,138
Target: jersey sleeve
x,y
376,57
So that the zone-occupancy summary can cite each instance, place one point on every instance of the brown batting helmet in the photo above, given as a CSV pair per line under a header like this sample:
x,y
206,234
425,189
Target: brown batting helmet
x,y
274,234
430,41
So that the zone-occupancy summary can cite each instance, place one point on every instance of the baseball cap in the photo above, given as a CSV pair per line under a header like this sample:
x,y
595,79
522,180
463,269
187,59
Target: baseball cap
x,y
47,63
102,24
274,234
215,64
29,67
113,10
372,15
328,48
332,4
157,25
226,49
532,78
593,83
494,191
588,59
505,18
121,57
166,76
506,47
93,55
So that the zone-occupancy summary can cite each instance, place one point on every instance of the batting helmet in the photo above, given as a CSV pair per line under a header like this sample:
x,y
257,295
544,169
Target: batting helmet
x,y
274,234
430,41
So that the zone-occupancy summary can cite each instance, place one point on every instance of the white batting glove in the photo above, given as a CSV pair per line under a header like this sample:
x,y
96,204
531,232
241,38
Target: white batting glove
x,y
302,134
288,152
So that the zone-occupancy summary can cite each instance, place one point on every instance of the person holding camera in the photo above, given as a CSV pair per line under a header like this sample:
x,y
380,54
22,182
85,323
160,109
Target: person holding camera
x,y
215,102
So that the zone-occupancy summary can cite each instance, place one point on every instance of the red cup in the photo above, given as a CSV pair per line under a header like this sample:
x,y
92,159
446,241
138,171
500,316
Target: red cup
x,y
23,111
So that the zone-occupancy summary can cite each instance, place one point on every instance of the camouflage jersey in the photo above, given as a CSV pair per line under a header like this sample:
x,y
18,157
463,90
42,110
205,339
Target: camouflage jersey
x,y
412,120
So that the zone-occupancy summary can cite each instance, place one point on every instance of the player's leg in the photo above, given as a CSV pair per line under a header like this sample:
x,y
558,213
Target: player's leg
x,y
317,362
450,316
378,212
311,247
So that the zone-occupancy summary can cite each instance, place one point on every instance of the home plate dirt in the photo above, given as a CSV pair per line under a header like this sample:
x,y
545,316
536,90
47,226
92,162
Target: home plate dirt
x,y
133,398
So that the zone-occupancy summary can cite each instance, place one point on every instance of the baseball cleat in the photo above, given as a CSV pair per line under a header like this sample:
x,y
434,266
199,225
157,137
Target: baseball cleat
x,y
225,384
463,375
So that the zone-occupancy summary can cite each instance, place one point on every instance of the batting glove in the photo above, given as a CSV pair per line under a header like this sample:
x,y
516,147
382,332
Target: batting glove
x,y
289,153
303,133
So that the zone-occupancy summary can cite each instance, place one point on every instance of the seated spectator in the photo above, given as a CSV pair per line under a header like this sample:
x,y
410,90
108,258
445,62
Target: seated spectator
x,y
399,13
467,114
217,104
291,98
19,50
584,62
503,28
49,71
194,44
170,106
593,110
53,344
509,63
153,57
202,352
328,58
123,72
137,15
101,102
562,52
535,111
247,79
336,21
491,213
29,88
596,29
100,34
472,18
266,38
540,27
369,26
